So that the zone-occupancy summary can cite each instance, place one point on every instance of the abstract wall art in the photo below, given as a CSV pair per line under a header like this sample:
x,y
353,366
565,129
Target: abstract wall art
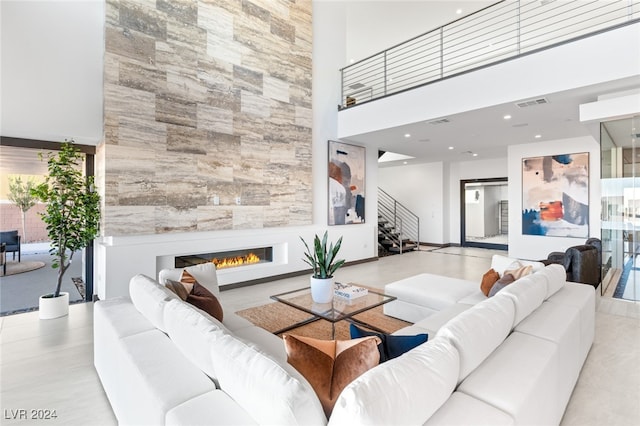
x,y
346,183
555,195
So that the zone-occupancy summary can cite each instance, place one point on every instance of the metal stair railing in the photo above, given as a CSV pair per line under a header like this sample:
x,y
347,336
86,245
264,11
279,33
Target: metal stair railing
x,y
405,224
502,31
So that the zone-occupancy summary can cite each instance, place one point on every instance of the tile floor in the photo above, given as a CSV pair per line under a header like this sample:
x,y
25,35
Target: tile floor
x,y
48,365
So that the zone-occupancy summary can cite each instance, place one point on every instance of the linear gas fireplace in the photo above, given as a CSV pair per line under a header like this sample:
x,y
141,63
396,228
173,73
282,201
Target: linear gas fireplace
x,y
228,259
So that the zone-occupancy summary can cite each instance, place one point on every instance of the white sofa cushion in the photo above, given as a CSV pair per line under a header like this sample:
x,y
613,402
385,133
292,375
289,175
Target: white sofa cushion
x,y
464,410
582,297
403,391
214,407
269,392
520,378
204,273
154,377
500,263
432,291
267,342
562,327
527,294
150,298
433,323
556,278
193,332
235,322
476,332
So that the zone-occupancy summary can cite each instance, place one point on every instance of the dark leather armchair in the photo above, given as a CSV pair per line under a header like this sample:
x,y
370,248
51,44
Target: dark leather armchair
x,y
583,263
12,241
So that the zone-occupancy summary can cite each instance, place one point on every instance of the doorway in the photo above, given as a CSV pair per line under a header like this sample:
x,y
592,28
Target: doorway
x,y
484,215
29,273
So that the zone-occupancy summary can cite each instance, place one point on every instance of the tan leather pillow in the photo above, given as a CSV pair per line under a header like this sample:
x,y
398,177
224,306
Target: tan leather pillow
x,y
519,272
187,280
330,365
488,280
178,288
203,299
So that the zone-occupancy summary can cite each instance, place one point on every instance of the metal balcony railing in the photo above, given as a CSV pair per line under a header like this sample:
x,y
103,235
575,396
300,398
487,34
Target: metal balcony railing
x,y
502,31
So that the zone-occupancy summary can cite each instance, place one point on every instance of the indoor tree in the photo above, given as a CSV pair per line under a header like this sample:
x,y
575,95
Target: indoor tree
x,y
72,214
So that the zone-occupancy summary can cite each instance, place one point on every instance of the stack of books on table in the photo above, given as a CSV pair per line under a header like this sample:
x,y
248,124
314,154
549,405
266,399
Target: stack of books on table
x,y
349,291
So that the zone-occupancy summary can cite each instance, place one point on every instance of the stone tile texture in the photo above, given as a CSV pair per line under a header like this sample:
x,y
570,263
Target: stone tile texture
x,y
207,101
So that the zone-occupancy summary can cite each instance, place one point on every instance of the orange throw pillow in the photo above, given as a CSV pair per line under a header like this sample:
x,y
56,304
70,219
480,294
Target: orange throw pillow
x,y
488,280
330,365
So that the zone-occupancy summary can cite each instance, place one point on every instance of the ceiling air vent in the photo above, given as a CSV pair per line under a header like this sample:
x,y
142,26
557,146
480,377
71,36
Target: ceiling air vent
x,y
441,121
532,102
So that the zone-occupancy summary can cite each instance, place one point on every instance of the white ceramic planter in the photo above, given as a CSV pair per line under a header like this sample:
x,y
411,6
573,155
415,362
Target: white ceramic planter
x,y
54,307
322,289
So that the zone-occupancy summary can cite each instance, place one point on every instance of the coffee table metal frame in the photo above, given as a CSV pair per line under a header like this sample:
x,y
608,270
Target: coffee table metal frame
x,y
339,309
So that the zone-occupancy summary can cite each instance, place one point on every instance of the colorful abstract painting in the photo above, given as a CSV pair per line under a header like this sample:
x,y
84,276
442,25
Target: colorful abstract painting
x,y
346,183
555,195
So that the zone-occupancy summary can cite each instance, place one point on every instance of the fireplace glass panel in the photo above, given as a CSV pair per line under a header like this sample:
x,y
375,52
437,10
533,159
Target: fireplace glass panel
x,y
228,259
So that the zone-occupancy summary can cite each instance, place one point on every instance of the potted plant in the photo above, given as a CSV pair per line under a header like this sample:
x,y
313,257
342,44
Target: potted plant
x,y
72,217
324,264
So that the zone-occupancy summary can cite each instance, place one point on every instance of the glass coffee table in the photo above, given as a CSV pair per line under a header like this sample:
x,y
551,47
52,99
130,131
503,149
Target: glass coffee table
x,y
339,309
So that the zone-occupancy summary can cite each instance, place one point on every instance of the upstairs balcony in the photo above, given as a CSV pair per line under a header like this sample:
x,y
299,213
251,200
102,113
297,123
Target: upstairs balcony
x,y
501,32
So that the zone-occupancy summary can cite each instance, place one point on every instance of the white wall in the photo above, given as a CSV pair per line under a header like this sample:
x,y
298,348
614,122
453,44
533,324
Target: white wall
x,y
474,212
375,25
51,70
419,188
538,247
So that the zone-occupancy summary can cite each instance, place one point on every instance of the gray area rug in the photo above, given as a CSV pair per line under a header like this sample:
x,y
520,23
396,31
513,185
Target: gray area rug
x,y
21,267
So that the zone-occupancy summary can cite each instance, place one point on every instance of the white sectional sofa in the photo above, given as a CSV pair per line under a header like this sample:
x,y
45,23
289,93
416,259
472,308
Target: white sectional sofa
x,y
510,359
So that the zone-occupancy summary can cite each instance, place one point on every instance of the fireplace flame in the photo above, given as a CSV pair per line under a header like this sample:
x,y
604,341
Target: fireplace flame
x,y
229,262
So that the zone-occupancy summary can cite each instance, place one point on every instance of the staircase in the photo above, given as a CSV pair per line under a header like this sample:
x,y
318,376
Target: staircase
x,y
398,227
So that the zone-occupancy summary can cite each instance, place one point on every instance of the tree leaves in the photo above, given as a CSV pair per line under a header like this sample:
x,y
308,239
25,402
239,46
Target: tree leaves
x,y
72,215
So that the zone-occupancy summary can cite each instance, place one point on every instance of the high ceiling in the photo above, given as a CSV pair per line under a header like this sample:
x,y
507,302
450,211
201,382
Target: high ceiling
x,y
487,133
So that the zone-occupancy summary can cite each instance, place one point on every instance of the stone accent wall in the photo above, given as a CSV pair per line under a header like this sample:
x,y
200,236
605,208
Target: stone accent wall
x,y
206,101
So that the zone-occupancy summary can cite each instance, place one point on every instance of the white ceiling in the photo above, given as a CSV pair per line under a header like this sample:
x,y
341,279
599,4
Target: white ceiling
x,y
486,133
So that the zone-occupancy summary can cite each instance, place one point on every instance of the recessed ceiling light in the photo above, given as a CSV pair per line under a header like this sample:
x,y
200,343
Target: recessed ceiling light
x,y
507,117
404,162
351,61
538,136
407,135
475,154
450,147
458,11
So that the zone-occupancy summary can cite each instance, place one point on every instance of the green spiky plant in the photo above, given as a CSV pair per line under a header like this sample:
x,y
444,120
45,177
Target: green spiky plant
x,y
72,214
322,259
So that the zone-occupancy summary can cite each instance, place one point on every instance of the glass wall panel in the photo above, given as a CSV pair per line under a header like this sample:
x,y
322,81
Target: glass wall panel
x,y
620,170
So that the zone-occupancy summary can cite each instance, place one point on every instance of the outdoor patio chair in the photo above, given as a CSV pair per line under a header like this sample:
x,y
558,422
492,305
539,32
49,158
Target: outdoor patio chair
x,y
12,241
